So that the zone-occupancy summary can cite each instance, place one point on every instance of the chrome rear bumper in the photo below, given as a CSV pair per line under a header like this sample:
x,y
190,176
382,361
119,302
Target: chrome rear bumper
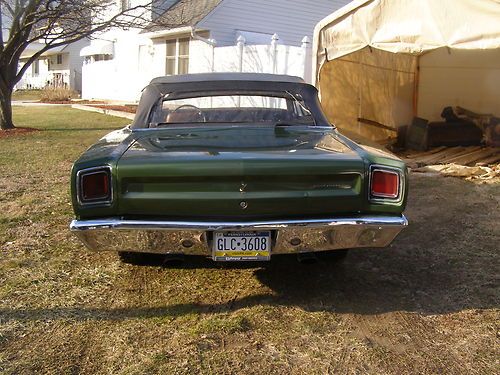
x,y
194,238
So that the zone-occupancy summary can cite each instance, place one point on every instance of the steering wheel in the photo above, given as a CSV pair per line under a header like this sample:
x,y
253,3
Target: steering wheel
x,y
199,112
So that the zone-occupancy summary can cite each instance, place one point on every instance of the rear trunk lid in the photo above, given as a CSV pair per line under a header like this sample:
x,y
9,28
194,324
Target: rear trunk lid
x,y
239,172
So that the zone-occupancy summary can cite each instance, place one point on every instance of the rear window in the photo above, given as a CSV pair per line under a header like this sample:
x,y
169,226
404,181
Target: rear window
x,y
278,108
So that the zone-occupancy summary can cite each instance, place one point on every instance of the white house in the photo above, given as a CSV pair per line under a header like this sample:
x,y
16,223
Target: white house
x,y
194,36
58,67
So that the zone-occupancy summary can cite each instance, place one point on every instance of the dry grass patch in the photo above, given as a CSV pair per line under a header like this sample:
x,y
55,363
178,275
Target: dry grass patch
x,y
427,304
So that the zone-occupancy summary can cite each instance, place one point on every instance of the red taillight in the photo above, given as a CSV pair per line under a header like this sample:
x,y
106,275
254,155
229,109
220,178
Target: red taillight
x,y
95,186
384,184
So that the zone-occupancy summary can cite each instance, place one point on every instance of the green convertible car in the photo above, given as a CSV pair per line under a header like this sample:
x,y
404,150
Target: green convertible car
x,y
236,167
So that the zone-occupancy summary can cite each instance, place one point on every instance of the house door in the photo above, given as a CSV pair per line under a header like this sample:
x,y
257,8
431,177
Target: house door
x,y
57,80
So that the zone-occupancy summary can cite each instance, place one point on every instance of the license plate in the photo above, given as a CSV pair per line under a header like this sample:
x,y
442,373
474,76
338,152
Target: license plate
x,y
241,246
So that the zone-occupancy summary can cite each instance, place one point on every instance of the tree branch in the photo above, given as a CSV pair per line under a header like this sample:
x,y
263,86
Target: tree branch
x,y
1,28
60,22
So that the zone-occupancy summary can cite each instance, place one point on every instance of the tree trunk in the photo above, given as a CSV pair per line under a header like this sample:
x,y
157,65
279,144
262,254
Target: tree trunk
x,y
6,109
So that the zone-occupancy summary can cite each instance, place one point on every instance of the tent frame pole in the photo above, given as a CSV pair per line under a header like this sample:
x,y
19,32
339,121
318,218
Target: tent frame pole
x,y
415,87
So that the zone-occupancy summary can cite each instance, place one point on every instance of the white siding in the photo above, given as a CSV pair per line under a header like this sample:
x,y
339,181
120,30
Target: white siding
x,y
75,62
290,19
120,78
31,81
201,57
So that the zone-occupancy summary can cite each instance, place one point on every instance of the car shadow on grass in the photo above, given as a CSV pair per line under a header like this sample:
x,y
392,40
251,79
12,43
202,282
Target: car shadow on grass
x,y
367,282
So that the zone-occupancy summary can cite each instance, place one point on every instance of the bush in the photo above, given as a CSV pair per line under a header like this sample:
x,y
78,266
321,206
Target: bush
x,y
57,94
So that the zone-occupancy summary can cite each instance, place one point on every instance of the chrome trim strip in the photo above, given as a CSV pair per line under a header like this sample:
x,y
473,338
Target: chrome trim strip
x,y
169,237
119,224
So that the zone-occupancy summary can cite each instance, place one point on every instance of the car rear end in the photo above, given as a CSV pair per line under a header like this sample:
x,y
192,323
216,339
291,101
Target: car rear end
x,y
237,204
235,167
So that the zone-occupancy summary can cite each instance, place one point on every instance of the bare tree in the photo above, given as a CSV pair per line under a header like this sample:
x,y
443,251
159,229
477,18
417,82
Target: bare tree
x,y
55,23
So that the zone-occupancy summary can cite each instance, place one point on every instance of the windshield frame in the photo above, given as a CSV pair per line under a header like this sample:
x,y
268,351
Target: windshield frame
x,y
294,104
153,93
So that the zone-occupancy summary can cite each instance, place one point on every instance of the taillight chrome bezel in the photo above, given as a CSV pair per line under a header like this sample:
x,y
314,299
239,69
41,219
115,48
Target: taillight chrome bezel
x,y
108,200
381,198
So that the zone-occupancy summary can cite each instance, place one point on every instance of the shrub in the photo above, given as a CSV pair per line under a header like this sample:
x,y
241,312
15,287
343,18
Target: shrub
x,y
57,94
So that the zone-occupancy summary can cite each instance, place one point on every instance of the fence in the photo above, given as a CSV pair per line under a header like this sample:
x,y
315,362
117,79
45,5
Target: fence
x,y
270,58
123,79
43,80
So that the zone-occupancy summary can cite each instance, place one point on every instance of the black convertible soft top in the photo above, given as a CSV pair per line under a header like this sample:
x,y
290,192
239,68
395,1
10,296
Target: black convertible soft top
x,y
236,83
204,77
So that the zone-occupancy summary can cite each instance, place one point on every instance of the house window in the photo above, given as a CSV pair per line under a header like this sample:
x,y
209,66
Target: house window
x,y
35,68
103,57
177,59
59,59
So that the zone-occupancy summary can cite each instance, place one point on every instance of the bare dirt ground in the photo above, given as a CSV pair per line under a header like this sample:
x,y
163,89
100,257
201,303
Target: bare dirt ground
x,y
427,304
15,132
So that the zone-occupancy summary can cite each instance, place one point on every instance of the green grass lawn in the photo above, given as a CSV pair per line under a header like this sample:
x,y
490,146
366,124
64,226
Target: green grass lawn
x,y
427,304
27,95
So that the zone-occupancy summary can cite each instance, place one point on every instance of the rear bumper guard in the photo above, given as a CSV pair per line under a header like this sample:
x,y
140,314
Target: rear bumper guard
x,y
194,238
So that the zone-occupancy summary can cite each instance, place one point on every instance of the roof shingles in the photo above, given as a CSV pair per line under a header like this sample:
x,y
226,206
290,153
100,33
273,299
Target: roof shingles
x,y
182,13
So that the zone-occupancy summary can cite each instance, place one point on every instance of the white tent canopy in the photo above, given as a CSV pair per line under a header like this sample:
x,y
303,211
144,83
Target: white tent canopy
x,y
379,63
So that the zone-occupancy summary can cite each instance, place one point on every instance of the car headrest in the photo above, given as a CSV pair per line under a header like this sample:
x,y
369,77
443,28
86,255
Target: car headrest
x,y
184,115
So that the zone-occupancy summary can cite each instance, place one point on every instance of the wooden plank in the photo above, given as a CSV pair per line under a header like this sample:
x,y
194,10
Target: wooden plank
x,y
474,156
468,150
441,155
444,151
376,124
468,113
495,158
424,153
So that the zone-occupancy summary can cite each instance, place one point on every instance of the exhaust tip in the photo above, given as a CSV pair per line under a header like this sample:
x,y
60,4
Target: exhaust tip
x,y
307,258
173,260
